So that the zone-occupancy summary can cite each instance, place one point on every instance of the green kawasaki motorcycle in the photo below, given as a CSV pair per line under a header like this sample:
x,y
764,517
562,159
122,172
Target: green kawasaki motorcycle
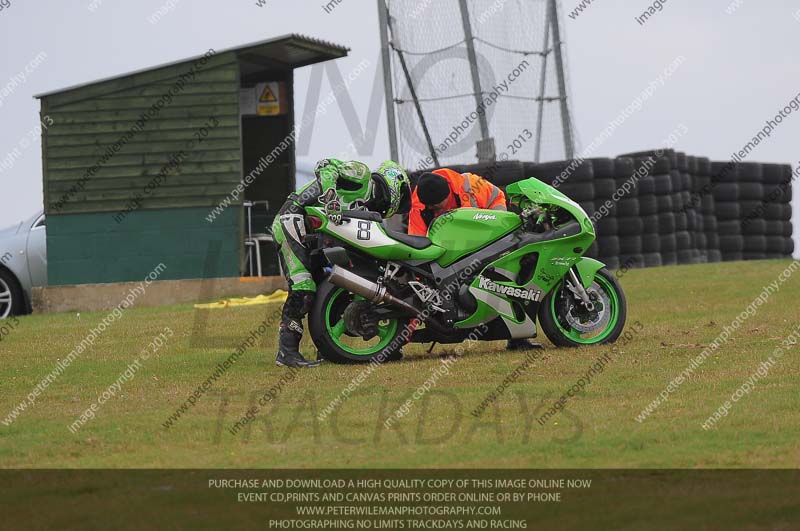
x,y
479,275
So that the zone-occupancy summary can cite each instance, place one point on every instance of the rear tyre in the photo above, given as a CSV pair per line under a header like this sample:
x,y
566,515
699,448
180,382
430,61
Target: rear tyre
x,y
567,323
326,323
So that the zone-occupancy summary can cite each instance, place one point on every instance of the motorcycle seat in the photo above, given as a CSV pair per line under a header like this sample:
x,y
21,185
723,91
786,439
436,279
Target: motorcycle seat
x,y
416,242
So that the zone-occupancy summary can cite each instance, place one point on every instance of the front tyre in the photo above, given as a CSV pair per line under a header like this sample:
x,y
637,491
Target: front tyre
x,y
11,298
327,325
567,323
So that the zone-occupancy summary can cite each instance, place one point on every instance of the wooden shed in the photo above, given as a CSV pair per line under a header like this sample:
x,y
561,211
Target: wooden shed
x,y
153,166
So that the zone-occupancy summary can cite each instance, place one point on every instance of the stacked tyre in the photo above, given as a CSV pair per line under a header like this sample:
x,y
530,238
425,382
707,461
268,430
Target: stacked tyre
x,y
776,210
753,226
656,204
642,171
705,198
630,225
502,173
663,182
727,210
694,212
681,204
605,214
660,207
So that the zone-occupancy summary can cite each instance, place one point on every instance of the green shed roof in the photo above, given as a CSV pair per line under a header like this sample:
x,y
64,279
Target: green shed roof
x,y
287,51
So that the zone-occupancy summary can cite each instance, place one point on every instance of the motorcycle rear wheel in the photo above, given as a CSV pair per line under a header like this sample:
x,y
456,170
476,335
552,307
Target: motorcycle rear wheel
x,y
567,324
328,331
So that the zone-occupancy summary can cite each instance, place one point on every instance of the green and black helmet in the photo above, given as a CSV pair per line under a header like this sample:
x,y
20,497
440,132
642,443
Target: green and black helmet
x,y
351,180
392,194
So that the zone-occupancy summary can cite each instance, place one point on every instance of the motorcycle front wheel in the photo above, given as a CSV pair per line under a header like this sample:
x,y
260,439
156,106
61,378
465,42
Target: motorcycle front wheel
x,y
567,323
335,343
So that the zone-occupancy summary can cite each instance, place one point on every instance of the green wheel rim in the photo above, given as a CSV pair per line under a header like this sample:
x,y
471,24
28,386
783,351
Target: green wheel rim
x,y
336,330
575,335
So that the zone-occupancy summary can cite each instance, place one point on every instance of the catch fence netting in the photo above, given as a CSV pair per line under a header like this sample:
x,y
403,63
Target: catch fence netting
x,y
510,49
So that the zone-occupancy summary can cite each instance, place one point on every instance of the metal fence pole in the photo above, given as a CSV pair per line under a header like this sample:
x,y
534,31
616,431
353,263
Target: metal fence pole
x,y
476,82
542,84
391,120
569,148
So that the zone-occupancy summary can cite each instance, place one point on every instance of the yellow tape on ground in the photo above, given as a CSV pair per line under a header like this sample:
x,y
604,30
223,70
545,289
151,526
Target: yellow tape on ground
x,y
278,296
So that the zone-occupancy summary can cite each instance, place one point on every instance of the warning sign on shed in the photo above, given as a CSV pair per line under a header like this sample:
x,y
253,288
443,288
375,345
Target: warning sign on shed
x,y
269,98
264,99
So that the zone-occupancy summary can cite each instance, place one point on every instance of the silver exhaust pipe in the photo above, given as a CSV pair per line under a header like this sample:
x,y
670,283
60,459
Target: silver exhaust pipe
x,y
371,291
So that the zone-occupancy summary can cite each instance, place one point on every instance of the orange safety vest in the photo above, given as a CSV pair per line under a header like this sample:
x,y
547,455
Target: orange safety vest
x,y
466,190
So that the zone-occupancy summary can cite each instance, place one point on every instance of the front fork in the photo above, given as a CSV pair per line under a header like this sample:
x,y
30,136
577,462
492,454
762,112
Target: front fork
x,y
576,287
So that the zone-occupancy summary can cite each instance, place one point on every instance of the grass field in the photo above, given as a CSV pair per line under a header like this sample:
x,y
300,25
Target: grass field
x,y
679,311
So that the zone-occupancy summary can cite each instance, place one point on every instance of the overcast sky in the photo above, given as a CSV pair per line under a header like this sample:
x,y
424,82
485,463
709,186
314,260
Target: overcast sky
x,y
741,67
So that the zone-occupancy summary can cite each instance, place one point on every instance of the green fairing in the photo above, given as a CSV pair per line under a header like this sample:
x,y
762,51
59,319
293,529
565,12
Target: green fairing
x,y
556,257
466,230
523,193
587,270
543,232
375,241
459,233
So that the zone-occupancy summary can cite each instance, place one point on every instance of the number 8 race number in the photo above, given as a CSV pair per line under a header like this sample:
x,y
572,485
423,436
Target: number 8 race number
x,y
363,230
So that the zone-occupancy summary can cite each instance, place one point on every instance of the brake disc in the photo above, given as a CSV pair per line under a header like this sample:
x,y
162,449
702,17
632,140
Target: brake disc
x,y
585,321
359,320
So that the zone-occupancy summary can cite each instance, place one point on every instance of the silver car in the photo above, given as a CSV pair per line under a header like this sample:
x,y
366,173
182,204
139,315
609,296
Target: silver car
x,y
23,264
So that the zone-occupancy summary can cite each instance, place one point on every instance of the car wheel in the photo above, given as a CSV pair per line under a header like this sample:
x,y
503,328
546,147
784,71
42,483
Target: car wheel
x,y
11,301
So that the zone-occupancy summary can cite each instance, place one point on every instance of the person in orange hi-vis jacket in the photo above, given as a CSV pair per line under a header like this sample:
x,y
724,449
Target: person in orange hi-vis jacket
x,y
446,189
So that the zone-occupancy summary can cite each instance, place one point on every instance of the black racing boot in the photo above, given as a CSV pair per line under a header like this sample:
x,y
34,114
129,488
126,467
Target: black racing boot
x,y
289,346
521,344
